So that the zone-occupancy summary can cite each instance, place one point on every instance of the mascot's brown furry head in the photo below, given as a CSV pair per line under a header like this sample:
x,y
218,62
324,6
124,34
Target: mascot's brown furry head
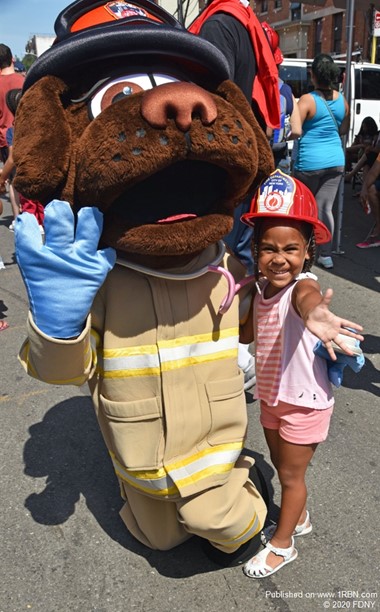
x,y
131,113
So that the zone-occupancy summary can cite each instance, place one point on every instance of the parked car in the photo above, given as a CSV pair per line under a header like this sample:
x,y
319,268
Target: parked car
x,y
365,88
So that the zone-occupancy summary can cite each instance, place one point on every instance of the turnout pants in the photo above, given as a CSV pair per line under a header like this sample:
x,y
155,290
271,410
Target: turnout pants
x,y
227,516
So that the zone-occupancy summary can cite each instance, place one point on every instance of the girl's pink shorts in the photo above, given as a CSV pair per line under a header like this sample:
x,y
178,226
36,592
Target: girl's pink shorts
x,y
296,424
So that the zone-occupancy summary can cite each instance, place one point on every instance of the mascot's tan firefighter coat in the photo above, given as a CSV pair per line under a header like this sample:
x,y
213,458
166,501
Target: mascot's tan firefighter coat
x,y
165,163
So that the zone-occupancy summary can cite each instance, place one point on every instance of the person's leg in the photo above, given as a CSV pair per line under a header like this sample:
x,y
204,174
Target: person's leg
x,y
310,179
376,206
292,462
325,198
299,429
15,203
373,238
292,435
324,185
274,442
373,197
351,158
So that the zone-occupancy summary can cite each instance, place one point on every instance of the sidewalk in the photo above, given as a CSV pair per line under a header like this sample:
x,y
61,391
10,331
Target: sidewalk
x,y
64,547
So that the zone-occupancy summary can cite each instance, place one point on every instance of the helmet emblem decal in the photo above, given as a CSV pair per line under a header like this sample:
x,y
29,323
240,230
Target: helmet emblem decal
x,y
276,196
124,9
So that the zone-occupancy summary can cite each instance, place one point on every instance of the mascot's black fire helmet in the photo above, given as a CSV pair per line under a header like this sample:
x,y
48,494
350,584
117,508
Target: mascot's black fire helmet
x,y
145,35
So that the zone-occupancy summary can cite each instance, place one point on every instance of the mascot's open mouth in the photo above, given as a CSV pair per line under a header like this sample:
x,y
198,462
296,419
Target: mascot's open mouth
x,y
170,215
182,192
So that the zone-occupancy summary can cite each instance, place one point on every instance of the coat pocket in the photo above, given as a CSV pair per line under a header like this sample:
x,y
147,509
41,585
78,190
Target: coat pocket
x,y
136,432
228,410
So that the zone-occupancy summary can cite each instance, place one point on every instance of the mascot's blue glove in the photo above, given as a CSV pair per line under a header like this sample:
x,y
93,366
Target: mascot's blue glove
x,y
63,275
335,368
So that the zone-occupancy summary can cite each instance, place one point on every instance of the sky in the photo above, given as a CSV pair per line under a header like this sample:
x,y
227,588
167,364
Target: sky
x,y
20,19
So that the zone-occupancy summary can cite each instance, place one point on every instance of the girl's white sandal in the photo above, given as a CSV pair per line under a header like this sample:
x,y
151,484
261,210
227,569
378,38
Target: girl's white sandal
x,y
300,530
257,566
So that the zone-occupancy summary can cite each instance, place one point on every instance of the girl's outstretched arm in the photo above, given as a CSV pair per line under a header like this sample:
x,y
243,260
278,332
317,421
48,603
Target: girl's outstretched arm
x,y
313,307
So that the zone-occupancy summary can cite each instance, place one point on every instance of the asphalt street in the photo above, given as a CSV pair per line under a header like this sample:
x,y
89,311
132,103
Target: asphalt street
x,y
63,546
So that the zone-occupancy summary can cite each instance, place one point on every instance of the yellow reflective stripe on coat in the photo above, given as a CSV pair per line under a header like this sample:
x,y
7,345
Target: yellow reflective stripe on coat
x,y
167,481
167,355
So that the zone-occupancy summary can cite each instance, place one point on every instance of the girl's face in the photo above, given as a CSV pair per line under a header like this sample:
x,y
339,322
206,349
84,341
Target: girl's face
x,y
281,253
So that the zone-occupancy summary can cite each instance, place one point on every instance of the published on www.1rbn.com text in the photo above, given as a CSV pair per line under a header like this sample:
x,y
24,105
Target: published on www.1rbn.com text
x,y
332,600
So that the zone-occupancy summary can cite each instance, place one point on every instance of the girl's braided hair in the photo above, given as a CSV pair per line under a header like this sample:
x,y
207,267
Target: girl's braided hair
x,y
308,233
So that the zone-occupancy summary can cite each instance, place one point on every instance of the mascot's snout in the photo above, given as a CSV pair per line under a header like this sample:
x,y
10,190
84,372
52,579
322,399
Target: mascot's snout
x,y
180,102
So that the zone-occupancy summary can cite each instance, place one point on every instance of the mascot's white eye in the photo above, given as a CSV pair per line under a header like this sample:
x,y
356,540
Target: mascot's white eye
x,y
117,89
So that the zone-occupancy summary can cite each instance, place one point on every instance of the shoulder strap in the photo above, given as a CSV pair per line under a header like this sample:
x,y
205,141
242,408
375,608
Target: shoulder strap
x,y
331,113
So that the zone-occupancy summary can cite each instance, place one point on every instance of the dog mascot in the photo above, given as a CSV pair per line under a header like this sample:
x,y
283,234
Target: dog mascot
x,y
133,137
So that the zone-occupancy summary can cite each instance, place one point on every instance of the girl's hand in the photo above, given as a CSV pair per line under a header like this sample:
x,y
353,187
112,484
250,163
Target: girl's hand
x,y
321,322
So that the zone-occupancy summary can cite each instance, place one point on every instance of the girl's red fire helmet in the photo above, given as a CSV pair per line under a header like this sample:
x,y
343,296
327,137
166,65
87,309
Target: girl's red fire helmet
x,y
286,197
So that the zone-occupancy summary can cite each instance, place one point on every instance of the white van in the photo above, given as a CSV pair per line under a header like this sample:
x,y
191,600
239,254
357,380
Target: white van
x,y
365,88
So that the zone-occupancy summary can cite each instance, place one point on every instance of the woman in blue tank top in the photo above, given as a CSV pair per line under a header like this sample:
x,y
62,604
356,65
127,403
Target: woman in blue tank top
x,y
320,160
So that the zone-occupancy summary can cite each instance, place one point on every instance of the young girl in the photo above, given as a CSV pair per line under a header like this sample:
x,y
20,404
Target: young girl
x,y
289,316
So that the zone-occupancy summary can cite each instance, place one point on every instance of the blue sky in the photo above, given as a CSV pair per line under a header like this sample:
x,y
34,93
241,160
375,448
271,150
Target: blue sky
x,y
20,19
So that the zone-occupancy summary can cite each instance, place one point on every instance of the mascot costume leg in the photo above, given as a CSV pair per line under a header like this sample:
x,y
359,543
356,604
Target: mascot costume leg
x,y
131,134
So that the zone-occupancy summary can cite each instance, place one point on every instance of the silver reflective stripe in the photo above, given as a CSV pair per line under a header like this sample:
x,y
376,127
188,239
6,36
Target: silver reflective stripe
x,y
198,350
221,458
188,471
135,362
173,354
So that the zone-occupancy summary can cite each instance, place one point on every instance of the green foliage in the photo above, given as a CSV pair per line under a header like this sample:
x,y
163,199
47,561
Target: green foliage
x,y
28,60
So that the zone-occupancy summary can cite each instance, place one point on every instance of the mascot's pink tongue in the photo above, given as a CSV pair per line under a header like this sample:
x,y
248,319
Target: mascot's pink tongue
x,y
177,218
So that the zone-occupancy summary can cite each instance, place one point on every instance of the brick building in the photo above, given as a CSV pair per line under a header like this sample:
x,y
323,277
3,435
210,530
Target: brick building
x,y
306,29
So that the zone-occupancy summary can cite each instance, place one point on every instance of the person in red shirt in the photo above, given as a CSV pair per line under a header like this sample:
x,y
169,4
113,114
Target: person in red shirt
x,y
9,79
23,204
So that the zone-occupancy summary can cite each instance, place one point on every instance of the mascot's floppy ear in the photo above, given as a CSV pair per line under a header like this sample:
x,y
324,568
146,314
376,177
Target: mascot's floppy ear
x,y
42,150
233,94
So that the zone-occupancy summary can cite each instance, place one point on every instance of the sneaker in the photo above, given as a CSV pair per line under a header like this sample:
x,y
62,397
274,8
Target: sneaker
x,y
12,227
325,262
372,241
